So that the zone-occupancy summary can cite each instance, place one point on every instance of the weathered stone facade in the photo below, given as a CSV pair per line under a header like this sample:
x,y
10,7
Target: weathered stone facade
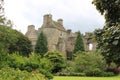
x,y
58,37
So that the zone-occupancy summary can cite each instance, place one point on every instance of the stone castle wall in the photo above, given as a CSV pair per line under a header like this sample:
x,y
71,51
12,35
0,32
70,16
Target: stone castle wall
x,y
57,37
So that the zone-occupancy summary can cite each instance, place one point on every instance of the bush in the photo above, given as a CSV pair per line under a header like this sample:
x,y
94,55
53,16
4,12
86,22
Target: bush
x,y
17,61
3,59
28,68
70,74
99,73
11,74
57,59
32,63
88,62
46,73
107,74
69,70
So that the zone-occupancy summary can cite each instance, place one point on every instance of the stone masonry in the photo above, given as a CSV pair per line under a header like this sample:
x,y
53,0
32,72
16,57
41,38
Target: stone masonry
x,y
58,37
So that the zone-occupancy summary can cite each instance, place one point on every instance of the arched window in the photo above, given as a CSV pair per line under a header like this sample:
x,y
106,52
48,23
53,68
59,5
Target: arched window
x,y
90,46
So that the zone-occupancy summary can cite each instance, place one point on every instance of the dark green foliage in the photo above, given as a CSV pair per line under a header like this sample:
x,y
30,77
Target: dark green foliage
x,y
79,45
108,38
57,60
109,41
41,44
25,48
14,41
110,8
23,45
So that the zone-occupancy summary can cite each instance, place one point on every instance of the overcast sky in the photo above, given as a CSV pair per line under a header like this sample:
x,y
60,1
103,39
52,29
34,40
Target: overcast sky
x,y
78,15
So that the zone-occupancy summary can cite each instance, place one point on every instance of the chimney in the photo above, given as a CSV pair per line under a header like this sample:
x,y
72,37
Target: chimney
x,y
31,27
47,19
60,21
69,31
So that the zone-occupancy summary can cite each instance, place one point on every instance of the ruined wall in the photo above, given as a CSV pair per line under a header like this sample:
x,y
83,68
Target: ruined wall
x,y
32,35
57,37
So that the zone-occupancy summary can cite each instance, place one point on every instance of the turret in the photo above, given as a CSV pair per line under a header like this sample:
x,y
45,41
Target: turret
x,y
60,21
69,31
47,19
31,27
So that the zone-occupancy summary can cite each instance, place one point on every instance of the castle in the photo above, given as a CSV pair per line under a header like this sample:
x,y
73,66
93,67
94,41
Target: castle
x,y
58,37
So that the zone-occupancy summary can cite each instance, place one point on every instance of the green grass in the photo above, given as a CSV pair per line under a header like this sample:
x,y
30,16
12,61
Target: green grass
x,y
85,78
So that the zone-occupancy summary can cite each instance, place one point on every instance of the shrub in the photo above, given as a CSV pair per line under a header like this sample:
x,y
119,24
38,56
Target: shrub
x,y
107,74
3,59
32,63
11,74
46,73
90,63
17,61
43,65
70,74
57,59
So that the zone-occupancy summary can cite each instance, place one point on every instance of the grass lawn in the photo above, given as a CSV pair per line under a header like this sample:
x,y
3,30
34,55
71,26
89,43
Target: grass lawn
x,y
85,78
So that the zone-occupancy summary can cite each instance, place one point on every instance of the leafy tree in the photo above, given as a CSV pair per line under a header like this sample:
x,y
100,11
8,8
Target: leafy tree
x,y
13,41
79,45
108,38
23,45
57,60
41,44
109,8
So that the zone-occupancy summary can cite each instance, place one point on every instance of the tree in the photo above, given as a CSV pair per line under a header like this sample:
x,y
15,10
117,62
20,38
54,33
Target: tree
x,y
23,45
14,41
79,45
57,60
108,38
41,44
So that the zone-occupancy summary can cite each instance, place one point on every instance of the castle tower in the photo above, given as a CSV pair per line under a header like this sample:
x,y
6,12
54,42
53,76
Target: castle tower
x,y
32,35
47,19
31,28
60,21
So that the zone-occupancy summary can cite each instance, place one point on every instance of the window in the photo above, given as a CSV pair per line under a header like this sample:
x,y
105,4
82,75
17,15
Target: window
x,y
90,46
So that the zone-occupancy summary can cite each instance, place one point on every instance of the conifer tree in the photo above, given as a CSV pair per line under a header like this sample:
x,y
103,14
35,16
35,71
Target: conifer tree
x,y
41,44
79,45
